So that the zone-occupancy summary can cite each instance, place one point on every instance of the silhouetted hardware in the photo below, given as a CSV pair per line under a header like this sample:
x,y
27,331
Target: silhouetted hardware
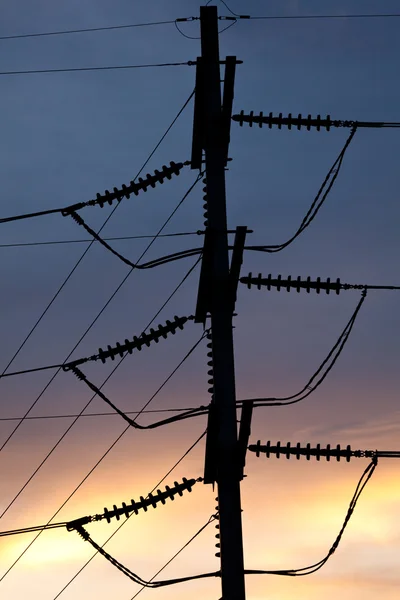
x,y
328,452
133,188
308,285
137,343
143,504
307,122
217,535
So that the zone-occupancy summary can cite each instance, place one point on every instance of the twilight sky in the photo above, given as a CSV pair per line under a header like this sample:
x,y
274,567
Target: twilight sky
x,y
67,136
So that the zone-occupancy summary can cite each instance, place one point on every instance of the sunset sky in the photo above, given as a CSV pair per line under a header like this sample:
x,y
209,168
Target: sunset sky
x,y
68,135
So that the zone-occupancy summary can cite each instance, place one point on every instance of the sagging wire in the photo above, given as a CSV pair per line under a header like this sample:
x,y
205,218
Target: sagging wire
x,y
124,522
50,303
365,477
195,412
317,202
136,578
328,362
176,256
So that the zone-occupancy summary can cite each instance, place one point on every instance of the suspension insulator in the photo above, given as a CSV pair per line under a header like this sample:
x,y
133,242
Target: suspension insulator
x,y
298,284
136,187
151,500
145,339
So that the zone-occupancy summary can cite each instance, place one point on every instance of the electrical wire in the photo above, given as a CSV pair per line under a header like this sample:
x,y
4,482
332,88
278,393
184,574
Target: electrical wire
x,y
194,412
316,204
80,221
312,385
107,68
110,447
210,520
123,522
76,266
365,477
87,30
305,17
133,576
128,237
98,414
351,16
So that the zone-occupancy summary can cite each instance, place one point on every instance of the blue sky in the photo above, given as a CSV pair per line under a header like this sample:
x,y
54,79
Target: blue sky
x,y
66,137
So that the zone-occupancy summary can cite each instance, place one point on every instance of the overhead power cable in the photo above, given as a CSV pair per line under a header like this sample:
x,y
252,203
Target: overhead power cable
x,y
316,204
76,266
308,17
90,29
108,239
124,522
189,63
325,367
365,477
111,446
195,412
98,414
210,520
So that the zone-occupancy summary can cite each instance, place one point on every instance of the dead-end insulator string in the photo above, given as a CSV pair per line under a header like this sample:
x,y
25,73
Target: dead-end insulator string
x,y
134,187
143,504
308,122
308,284
137,343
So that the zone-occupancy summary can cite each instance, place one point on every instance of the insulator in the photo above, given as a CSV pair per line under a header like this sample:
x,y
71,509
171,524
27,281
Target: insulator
x,y
140,185
288,450
217,527
296,284
205,205
210,364
290,121
145,339
151,500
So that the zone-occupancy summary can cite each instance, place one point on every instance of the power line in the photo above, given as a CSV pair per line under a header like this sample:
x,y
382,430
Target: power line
x,y
317,203
98,414
305,17
106,68
312,385
89,29
110,447
210,520
123,522
76,266
365,477
128,237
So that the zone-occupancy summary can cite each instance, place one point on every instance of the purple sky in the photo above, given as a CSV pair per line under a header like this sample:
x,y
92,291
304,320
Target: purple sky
x,y
66,137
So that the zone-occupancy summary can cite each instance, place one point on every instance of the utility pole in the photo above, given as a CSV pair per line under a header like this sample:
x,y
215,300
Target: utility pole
x,y
217,294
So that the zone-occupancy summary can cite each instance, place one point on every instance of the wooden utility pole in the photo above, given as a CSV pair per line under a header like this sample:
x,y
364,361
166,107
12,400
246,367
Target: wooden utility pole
x,y
216,298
